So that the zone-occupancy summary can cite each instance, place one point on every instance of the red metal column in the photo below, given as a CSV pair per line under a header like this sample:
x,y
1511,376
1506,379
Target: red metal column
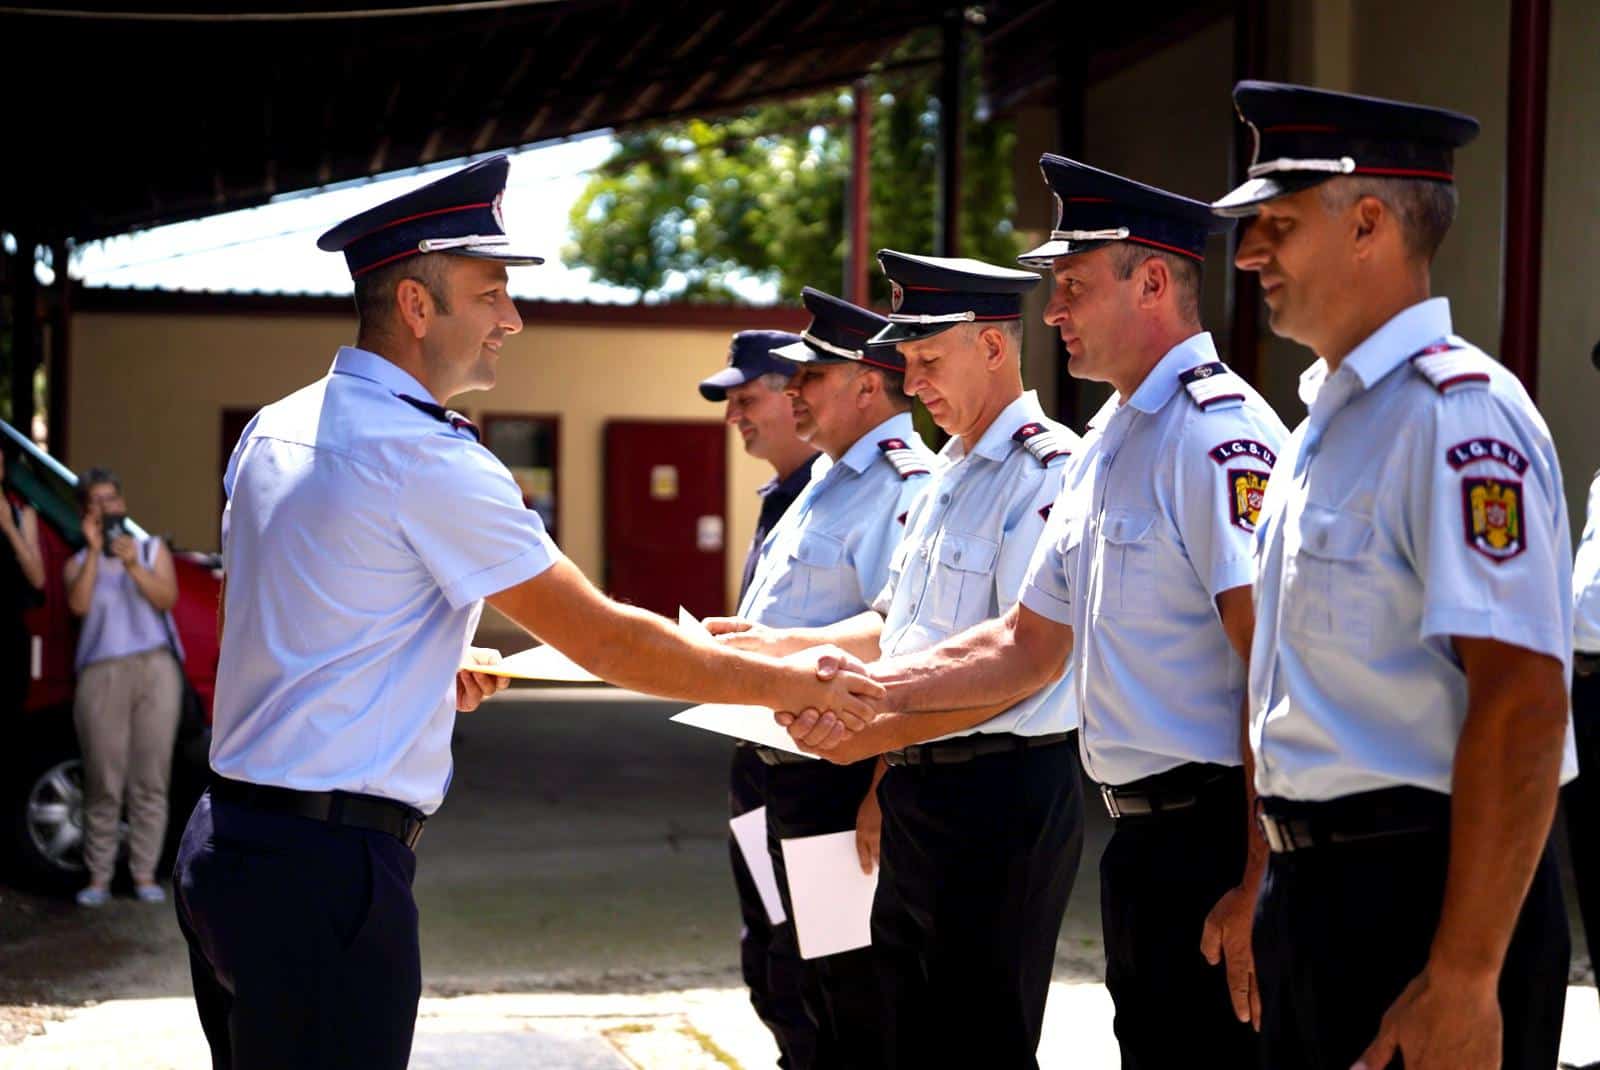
x,y
947,229
1244,295
860,209
1528,93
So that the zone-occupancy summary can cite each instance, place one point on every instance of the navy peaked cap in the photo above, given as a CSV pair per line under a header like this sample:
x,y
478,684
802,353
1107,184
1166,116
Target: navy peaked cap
x,y
1306,136
750,356
838,334
930,294
459,214
1095,207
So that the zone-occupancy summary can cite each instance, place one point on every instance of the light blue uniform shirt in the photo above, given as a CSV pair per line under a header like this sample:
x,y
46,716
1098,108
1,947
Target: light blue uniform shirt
x,y
968,542
359,539
1586,579
829,555
1158,518
1400,514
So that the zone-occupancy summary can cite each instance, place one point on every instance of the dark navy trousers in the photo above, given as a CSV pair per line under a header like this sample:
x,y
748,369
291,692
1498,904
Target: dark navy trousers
x,y
771,964
302,940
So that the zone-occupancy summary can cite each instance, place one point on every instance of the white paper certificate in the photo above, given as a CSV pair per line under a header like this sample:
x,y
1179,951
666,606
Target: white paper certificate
x,y
750,833
832,898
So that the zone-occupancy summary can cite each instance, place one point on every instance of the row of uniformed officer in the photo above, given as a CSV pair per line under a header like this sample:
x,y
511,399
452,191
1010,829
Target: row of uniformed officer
x,y
365,526
981,812
825,561
1397,588
753,390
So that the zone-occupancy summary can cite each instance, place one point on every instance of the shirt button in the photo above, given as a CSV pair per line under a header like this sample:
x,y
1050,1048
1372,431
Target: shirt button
x,y
944,499
958,555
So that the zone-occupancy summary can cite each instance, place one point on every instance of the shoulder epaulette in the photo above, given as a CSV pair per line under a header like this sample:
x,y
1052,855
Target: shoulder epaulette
x,y
1213,386
1042,441
907,462
1449,367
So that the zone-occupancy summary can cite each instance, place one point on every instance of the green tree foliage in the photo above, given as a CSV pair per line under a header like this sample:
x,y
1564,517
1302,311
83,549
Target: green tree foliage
x,y
688,210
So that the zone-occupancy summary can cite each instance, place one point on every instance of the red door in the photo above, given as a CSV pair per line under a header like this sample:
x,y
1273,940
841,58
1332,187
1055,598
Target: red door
x,y
666,489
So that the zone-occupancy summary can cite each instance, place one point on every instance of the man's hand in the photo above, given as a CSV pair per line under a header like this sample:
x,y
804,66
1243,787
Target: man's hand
x,y
744,635
832,680
821,734
1439,1025
869,831
473,687
1226,937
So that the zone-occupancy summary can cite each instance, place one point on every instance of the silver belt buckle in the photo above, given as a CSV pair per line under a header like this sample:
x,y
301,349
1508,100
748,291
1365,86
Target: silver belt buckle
x,y
1109,794
1275,840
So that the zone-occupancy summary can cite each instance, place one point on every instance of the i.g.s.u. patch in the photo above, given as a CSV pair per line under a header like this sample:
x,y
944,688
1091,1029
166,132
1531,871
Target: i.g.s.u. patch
x,y
1492,512
1246,489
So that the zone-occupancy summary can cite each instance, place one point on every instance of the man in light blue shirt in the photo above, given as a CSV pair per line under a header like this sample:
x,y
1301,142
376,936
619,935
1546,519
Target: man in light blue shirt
x,y
824,562
1408,676
365,527
982,810
1143,577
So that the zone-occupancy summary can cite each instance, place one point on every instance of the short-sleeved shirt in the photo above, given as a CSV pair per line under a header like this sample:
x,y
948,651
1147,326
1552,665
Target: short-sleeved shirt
x,y
968,542
121,621
1586,579
828,557
359,539
1421,499
1163,499
777,494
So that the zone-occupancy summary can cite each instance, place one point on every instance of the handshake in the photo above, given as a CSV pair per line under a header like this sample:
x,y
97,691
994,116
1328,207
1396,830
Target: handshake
x,y
833,696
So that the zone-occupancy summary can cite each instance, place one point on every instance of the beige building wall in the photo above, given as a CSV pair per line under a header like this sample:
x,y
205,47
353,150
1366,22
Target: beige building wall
x,y
148,392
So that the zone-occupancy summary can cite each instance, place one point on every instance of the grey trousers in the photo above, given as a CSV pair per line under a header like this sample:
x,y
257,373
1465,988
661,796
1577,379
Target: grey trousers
x,y
126,712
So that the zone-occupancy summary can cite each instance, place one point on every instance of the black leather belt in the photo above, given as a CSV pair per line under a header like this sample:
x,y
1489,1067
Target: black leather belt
x,y
966,748
1371,815
1585,663
1180,788
373,812
774,756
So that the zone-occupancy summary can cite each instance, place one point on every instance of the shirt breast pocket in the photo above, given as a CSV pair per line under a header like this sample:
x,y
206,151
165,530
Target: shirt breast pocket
x,y
817,571
961,590
1328,588
1132,543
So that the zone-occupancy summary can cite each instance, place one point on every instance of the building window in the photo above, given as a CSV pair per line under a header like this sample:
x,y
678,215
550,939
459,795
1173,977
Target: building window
x,y
529,446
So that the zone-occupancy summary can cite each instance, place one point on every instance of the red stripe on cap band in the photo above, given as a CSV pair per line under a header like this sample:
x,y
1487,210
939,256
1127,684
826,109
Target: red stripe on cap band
x,y
419,215
1190,253
1406,172
386,260
1088,200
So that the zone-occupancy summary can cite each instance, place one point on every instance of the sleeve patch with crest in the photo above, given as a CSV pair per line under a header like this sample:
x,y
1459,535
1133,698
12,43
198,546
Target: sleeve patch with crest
x,y
1474,450
1243,447
1246,489
1492,511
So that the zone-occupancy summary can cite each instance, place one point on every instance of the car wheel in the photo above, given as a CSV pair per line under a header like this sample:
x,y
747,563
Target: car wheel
x,y
46,818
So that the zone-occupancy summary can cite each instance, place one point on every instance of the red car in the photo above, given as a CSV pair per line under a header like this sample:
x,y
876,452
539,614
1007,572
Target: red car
x,y
41,770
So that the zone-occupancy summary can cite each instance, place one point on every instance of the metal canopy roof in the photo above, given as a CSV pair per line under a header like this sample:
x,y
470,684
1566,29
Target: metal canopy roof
x,y
119,121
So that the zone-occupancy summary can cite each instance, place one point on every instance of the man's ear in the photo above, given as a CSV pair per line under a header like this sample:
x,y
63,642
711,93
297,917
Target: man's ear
x,y
1155,281
1369,217
993,341
415,305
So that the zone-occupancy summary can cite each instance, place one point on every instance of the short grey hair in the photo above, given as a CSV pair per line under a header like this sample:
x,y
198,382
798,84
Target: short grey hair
x,y
1424,208
1186,273
774,381
375,303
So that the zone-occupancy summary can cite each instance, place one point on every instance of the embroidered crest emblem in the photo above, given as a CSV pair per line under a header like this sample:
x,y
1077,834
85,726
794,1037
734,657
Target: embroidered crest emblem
x,y
1492,510
897,296
1247,490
